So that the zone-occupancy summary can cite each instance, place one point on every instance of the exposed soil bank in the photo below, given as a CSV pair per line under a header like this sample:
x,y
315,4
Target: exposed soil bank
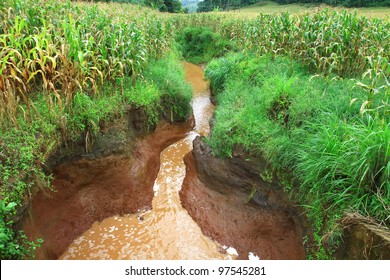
x,y
216,193
364,240
89,190
166,231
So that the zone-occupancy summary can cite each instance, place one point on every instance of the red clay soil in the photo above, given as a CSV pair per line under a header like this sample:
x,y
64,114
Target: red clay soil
x,y
91,190
224,214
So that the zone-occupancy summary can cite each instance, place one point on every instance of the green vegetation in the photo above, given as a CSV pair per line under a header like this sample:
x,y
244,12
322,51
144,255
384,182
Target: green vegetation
x,y
268,7
310,134
65,70
176,95
10,247
327,42
210,5
170,6
201,44
310,94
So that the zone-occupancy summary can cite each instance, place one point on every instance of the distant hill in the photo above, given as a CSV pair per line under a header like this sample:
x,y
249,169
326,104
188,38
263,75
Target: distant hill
x,y
192,5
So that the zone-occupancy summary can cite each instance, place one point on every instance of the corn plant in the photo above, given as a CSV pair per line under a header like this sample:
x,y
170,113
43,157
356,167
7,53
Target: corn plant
x,y
57,48
377,88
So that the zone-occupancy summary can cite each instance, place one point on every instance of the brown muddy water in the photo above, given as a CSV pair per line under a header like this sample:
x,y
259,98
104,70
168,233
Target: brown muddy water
x,y
130,208
166,231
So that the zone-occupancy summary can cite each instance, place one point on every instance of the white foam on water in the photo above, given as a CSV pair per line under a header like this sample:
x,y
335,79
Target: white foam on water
x,y
156,187
253,257
230,250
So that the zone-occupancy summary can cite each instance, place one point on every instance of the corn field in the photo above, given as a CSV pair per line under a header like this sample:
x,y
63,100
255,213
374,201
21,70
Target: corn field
x,y
57,48
327,42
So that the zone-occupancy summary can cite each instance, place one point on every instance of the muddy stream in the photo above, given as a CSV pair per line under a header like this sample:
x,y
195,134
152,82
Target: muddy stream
x,y
166,231
198,207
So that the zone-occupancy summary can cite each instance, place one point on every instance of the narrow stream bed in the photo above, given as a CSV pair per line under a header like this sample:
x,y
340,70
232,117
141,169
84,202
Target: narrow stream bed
x,y
166,231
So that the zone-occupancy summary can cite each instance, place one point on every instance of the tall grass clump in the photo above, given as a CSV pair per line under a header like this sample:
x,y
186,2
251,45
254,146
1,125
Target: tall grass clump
x,y
352,166
168,76
201,44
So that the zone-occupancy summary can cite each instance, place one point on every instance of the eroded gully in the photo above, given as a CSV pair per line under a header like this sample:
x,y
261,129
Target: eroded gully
x,y
151,205
166,231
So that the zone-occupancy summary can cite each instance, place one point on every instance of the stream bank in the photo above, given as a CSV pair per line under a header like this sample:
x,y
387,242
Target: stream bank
x,y
234,206
115,178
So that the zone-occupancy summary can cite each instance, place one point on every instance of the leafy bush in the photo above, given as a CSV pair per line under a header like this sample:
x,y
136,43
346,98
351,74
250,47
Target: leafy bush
x,y
13,245
201,44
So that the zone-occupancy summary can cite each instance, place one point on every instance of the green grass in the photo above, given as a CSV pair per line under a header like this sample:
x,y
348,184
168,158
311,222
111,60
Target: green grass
x,y
201,44
307,129
168,75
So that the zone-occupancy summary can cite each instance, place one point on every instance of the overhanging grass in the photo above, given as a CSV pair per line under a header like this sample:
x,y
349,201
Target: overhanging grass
x,y
168,75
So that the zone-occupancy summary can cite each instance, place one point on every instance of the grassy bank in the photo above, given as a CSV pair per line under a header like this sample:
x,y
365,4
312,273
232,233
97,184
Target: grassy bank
x,y
309,94
332,157
66,70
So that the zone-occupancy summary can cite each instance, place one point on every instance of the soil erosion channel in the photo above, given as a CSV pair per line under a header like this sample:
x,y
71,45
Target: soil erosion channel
x,y
166,231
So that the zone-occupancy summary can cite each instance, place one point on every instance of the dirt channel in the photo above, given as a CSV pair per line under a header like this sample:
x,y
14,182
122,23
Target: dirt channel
x,y
87,191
